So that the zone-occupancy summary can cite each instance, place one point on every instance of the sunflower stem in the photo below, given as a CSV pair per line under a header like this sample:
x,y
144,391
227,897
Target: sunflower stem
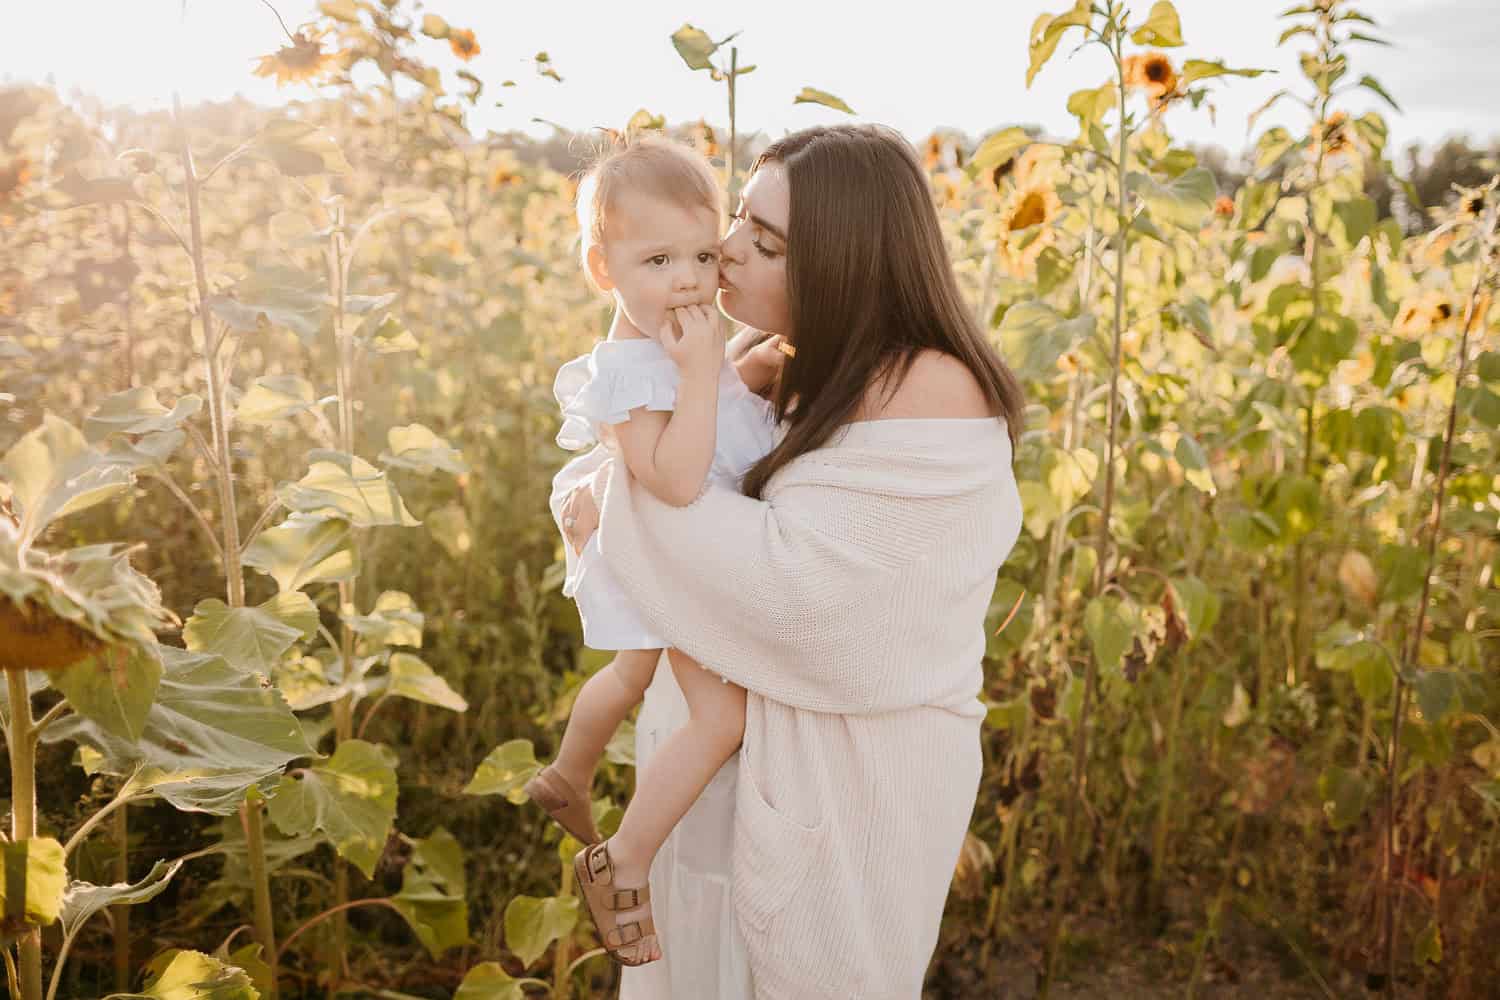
x,y
23,816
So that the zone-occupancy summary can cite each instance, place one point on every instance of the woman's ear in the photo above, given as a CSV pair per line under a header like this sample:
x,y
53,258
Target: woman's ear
x,y
598,269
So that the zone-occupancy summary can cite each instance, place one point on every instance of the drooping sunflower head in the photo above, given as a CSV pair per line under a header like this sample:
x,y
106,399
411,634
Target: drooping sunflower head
x,y
304,59
463,43
1335,133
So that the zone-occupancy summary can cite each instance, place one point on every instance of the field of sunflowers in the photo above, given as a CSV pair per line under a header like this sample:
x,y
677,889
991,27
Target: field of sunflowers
x,y
280,611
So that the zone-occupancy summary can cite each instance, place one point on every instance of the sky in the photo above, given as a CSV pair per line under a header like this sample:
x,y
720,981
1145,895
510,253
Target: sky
x,y
954,65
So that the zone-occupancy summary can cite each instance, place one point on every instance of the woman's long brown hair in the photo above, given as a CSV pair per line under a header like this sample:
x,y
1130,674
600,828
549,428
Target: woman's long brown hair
x,y
869,285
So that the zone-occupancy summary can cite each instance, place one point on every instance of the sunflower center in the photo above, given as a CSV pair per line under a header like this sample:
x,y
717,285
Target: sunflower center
x,y
1030,212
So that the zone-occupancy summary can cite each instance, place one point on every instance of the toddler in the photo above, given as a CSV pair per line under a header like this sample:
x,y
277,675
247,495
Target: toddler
x,y
659,395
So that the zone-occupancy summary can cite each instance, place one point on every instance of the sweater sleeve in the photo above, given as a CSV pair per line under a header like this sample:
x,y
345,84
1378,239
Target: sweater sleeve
x,y
785,596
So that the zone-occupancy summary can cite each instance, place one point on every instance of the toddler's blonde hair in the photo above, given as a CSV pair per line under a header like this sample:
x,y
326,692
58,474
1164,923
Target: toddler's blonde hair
x,y
652,164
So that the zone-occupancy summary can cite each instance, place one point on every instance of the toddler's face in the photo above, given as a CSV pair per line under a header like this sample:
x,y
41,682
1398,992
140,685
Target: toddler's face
x,y
660,255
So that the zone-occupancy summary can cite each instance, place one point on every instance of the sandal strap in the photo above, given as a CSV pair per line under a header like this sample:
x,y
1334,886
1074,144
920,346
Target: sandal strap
x,y
600,868
628,899
624,935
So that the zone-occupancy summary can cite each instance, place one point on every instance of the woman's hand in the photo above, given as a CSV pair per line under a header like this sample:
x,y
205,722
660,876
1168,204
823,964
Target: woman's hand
x,y
580,515
693,337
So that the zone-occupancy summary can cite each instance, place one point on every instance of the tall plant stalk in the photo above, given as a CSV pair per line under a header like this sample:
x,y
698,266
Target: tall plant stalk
x,y
1486,247
1114,43
251,810
22,745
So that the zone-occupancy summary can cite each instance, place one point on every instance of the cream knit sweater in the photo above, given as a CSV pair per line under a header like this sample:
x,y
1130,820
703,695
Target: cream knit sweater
x,y
850,604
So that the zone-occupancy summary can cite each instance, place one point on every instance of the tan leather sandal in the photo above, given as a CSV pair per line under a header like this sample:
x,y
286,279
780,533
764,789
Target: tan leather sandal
x,y
563,803
627,943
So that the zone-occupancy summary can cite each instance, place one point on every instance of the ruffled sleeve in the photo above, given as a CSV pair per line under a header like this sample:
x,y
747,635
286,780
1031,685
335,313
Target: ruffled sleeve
x,y
602,387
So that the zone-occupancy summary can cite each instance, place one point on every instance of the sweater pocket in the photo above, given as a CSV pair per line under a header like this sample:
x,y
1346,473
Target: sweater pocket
x,y
772,853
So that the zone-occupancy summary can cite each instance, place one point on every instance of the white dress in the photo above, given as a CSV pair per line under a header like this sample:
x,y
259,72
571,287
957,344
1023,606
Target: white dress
x,y
703,951
602,387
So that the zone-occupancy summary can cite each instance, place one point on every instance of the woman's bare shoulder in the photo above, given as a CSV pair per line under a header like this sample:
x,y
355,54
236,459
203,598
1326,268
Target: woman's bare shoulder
x,y
938,385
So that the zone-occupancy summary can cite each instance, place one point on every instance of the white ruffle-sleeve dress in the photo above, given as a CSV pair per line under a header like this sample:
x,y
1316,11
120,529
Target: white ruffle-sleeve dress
x,y
703,951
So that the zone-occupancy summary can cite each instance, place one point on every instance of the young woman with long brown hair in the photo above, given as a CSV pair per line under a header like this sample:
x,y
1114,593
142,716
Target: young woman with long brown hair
x,y
846,586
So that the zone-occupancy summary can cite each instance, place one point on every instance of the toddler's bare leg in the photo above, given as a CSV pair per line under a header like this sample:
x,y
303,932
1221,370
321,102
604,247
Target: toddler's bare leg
x,y
680,769
604,701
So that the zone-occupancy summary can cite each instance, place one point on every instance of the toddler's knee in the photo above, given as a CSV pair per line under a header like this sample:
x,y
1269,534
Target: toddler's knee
x,y
634,669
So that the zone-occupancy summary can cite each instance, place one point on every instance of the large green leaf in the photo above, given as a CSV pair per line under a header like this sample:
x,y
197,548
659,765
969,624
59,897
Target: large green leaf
x,y
531,924
304,549
137,411
432,892
1344,793
1197,605
412,678
694,45
251,639
52,471
812,95
1047,30
213,732
394,621
1111,625
192,975
1033,336
1184,201
272,398
115,688
417,448
489,981
350,798
1162,28
349,487
507,768
31,894
84,899
998,149
275,295
300,148
1194,70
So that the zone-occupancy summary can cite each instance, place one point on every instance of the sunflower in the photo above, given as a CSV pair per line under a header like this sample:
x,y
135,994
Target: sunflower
x,y
1422,314
463,43
1335,132
13,178
706,140
933,153
504,177
1153,73
1224,206
1025,229
304,59
1032,207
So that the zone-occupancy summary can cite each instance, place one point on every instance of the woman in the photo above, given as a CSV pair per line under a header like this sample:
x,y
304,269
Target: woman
x,y
846,589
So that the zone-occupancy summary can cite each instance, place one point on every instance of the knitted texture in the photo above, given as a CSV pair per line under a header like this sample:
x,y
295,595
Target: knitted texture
x,y
850,604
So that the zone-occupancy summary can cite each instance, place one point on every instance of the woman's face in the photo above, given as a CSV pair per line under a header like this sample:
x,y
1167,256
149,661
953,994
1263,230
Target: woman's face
x,y
752,259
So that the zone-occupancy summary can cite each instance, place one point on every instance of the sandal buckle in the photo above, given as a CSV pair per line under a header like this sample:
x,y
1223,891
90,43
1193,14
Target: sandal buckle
x,y
619,934
632,899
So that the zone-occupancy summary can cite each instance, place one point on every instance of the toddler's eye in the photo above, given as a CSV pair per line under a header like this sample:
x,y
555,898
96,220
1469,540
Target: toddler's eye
x,y
659,259
708,257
